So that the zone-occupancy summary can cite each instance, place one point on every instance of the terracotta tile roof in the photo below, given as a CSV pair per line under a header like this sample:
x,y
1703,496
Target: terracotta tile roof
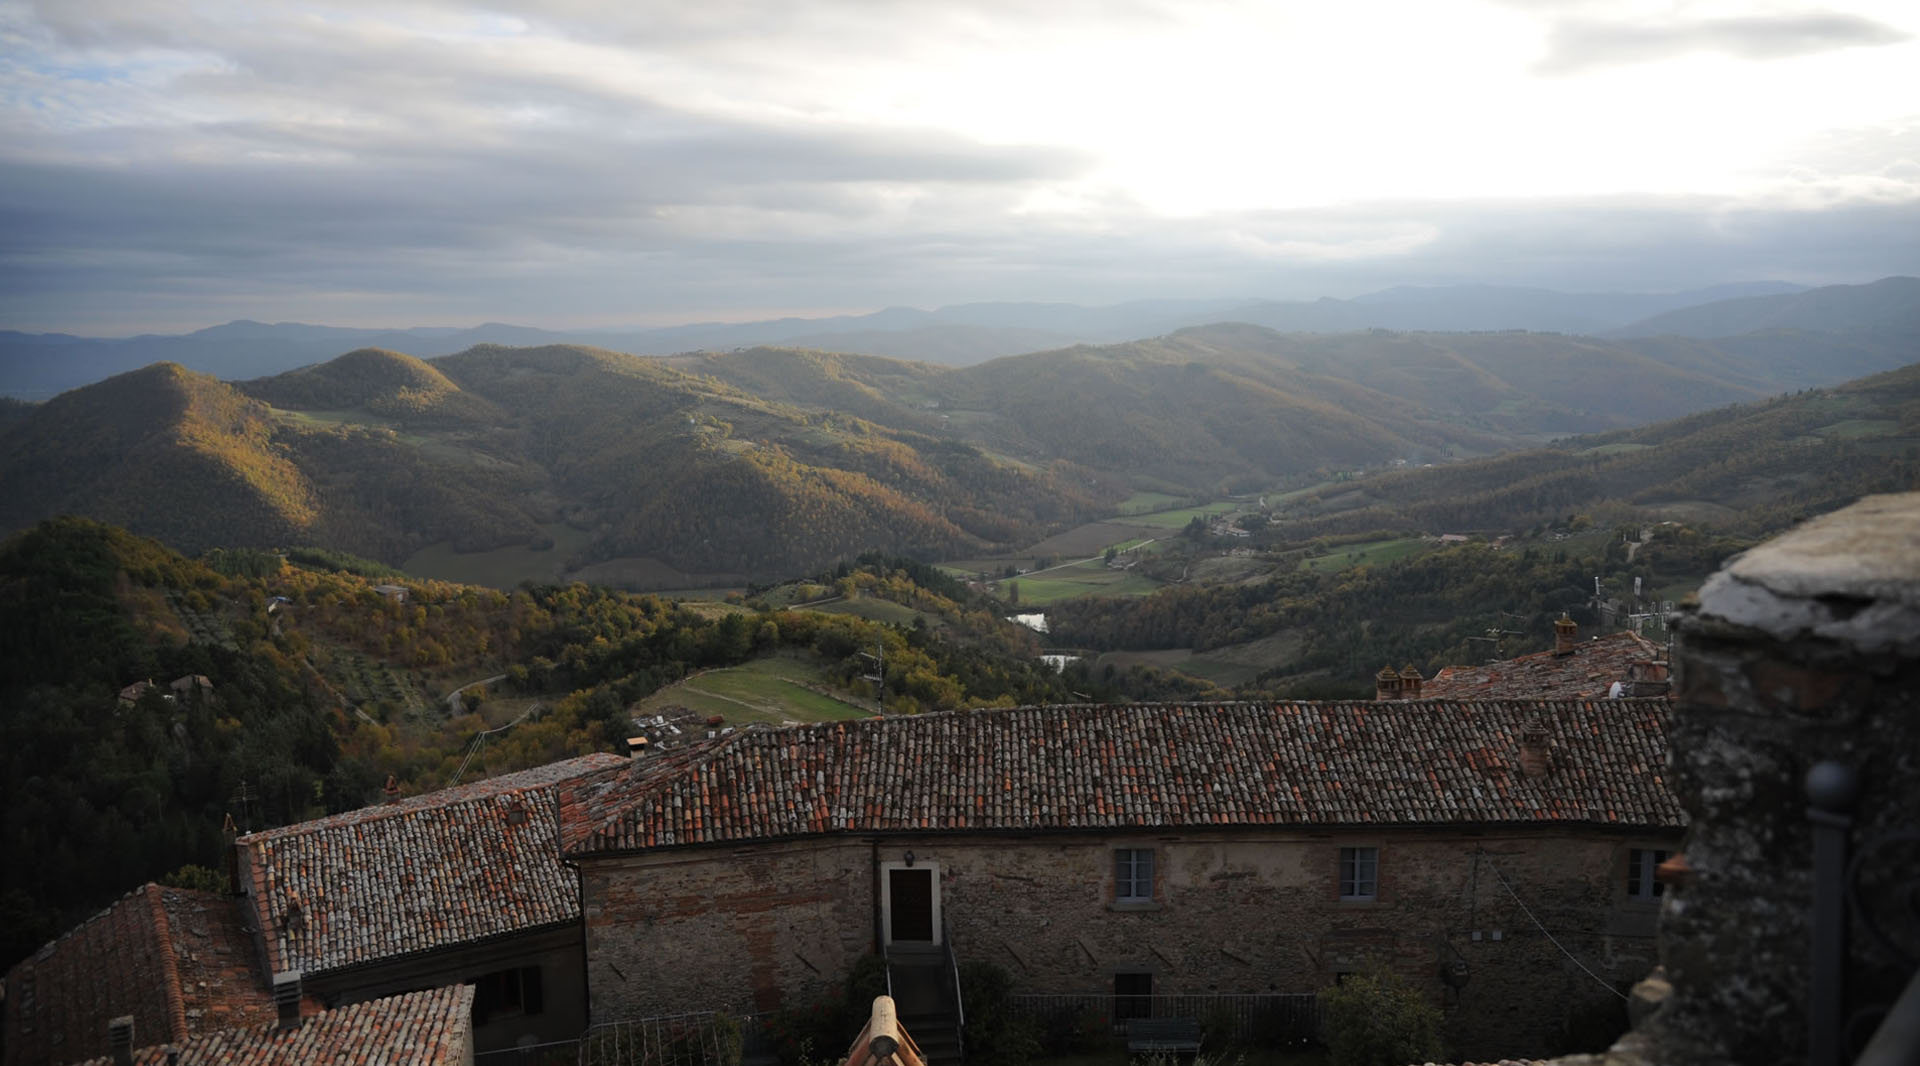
x,y
436,870
1583,673
1413,762
180,962
433,1028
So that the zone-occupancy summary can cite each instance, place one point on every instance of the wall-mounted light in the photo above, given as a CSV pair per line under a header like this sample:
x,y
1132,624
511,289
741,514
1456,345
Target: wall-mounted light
x,y
909,858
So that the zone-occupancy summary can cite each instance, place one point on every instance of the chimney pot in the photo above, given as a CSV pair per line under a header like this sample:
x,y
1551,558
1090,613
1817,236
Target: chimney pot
x,y
1566,634
1386,684
393,789
1410,682
120,1039
636,746
1535,757
286,997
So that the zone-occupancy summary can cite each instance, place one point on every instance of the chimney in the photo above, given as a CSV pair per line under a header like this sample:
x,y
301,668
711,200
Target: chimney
x,y
286,997
636,746
1410,682
120,1040
1566,634
173,1055
1386,684
1535,758
393,789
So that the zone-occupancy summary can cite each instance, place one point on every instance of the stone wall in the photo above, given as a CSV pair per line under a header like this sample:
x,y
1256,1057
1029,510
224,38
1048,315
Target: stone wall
x,y
1233,912
1806,649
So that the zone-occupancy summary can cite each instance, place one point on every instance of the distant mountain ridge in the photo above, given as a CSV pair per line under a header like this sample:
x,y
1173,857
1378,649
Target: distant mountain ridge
x,y
1888,306
39,366
763,463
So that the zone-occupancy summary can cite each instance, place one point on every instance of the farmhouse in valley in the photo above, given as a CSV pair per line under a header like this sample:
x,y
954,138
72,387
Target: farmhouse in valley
x,y
1138,850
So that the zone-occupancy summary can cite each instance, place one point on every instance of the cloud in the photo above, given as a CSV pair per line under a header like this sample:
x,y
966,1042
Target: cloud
x,y
1576,45
574,163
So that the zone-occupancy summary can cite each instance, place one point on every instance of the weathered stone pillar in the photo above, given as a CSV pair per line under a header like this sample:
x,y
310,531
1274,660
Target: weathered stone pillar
x,y
1802,651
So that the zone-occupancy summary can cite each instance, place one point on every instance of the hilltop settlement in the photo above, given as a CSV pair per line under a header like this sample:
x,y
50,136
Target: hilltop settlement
x,y
1507,855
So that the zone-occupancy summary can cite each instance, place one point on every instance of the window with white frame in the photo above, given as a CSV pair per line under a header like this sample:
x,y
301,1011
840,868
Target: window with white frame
x,y
1359,873
1641,883
1133,875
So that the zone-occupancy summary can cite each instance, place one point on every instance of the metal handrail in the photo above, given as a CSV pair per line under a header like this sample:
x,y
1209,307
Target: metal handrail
x,y
959,999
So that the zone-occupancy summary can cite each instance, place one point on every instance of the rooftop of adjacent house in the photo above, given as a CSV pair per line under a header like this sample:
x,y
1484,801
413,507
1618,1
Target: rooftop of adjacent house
x,y
431,871
179,962
1413,762
432,1028
1585,671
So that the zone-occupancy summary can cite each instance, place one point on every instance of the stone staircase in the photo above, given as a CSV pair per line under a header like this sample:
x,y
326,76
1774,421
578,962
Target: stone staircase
x,y
924,995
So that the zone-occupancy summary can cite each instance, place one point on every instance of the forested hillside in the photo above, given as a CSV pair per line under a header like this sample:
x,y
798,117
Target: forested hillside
x,y
1753,467
317,687
761,464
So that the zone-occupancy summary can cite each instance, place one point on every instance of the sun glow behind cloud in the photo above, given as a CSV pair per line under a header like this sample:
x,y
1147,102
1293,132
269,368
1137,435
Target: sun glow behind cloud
x,y
689,150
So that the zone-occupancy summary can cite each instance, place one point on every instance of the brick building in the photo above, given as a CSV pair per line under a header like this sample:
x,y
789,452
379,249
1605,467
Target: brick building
x,y
463,885
179,963
430,1028
1128,849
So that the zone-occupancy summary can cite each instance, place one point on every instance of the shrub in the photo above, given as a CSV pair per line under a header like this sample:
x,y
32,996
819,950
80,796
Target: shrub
x,y
996,1034
1379,1020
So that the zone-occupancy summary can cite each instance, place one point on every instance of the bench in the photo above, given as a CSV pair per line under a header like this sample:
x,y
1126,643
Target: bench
x,y
1149,1036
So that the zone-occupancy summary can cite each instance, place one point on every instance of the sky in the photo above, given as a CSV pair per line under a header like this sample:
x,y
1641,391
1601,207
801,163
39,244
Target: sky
x,y
171,164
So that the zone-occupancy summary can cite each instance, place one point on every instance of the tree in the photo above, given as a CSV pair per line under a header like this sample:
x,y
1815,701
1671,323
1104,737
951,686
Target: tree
x,y
1379,1020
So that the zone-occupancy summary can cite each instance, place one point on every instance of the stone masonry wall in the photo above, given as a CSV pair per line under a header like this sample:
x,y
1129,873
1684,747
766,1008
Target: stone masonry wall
x,y
713,929
1233,912
1803,650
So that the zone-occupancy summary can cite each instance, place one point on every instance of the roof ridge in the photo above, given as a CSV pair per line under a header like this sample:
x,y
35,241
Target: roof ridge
x,y
695,758
163,929
375,812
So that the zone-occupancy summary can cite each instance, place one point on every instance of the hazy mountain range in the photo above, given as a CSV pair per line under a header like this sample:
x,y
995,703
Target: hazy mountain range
x,y
38,366
764,462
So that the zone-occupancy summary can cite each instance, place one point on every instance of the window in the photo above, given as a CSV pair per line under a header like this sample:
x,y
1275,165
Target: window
x,y
1641,884
1132,995
507,992
1133,875
1359,873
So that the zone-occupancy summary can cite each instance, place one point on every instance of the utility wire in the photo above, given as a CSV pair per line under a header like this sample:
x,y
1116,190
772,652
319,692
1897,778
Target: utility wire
x,y
1550,939
480,739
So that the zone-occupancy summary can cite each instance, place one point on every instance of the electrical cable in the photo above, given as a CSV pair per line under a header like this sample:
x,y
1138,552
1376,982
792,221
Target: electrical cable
x,y
1550,939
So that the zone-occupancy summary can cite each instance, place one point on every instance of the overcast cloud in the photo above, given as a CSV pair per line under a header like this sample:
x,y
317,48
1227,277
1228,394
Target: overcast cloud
x,y
168,166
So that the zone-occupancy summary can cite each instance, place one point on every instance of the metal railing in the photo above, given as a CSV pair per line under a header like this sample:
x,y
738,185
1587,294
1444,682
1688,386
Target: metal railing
x,y
959,995
553,1053
704,1038
1261,1019
1857,887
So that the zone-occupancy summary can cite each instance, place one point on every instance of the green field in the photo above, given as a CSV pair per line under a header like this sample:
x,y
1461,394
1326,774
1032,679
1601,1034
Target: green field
x,y
769,690
1080,579
1179,518
1367,553
1147,503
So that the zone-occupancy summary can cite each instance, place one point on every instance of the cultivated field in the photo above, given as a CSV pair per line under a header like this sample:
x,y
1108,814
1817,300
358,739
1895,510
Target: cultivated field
x,y
772,690
1080,579
1372,552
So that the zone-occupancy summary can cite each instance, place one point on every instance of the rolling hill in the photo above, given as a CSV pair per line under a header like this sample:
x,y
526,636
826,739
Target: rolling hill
x,y
1753,467
1890,306
762,463
39,366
